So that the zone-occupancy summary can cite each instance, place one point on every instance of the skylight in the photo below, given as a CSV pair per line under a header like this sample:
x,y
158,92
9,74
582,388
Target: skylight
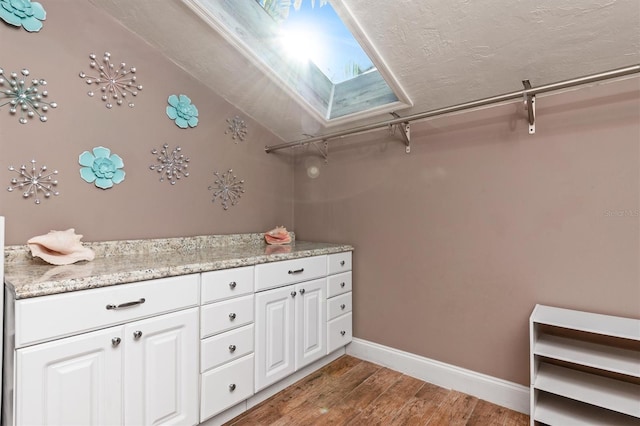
x,y
307,48
313,31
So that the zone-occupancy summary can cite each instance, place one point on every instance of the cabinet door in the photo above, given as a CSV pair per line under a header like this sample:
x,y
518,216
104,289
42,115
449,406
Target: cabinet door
x,y
311,322
72,381
161,370
274,335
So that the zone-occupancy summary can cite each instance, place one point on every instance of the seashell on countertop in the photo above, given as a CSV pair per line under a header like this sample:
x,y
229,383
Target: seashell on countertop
x,y
60,247
278,235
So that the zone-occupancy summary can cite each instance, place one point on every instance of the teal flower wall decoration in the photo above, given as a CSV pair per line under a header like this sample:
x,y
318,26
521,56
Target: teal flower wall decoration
x,y
182,111
23,13
101,167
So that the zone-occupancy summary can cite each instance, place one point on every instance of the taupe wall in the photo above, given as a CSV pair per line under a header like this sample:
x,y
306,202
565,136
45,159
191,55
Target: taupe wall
x,y
456,242
140,207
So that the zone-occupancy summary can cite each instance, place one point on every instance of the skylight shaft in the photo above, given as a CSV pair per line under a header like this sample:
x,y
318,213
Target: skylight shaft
x,y
305,48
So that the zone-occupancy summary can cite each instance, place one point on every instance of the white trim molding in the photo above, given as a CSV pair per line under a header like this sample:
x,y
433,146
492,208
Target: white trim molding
x,y
502,392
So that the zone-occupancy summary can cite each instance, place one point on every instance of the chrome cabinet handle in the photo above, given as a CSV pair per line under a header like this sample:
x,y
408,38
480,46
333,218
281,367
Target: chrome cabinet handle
x,y
302,291
293,294
297,271
343,306
115,341
342,333
342,263
232,387
232,285
126,305
341,285
232,316
232,348
137,334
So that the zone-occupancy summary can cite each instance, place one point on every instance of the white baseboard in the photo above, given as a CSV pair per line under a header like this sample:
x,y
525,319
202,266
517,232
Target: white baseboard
x,y
492,389
497,391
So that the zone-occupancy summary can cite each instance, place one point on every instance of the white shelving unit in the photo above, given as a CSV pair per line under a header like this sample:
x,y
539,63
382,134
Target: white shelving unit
x,y
578,381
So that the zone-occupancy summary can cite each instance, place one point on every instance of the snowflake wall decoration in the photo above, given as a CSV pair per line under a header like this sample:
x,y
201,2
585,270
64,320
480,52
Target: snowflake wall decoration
x,y
115,83
34,181
25,96
172,165
227,188
237,128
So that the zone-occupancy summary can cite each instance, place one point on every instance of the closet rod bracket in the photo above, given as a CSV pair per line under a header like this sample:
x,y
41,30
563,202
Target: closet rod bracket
x,y
529,106
323,150
405,132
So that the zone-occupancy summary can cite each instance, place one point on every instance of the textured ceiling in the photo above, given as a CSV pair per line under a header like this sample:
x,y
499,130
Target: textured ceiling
x,y
442,52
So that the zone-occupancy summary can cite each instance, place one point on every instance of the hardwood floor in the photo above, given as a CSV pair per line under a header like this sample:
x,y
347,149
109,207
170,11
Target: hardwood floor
x,y
353,392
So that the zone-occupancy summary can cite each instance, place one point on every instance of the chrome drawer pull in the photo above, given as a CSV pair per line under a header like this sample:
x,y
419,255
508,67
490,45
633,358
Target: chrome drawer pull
x,y
302,291
341,285
342,263
343,306
115,341
342,333
126,305
232,387
293,294
232,348
232,284
232,316
137,334
297,271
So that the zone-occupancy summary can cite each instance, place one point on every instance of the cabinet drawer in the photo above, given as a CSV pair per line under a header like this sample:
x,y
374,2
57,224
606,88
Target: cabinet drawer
x,y
43,318
338,305
225,347
226,386
339,332
221,316
338,284
338,262
276,274
226,283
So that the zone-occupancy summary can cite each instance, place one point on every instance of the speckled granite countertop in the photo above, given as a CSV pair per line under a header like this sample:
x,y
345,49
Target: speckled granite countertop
x,y
120,262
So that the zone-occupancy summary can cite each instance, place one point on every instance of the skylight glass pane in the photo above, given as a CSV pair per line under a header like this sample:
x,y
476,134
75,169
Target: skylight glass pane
x,y
313,31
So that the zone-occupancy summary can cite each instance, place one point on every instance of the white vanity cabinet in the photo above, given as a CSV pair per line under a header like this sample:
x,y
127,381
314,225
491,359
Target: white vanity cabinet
x,y
290,319
183,350
140,367
226,330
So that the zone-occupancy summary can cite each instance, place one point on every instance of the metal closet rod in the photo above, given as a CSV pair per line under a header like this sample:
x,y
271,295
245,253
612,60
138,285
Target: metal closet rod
x,y
520,94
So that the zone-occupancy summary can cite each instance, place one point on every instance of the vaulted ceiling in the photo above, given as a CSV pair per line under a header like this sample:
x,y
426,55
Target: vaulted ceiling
x,y
442,52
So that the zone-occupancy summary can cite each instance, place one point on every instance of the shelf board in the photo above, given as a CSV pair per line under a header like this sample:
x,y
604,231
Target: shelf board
x,y
601,391
556,410
626,328
608,358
